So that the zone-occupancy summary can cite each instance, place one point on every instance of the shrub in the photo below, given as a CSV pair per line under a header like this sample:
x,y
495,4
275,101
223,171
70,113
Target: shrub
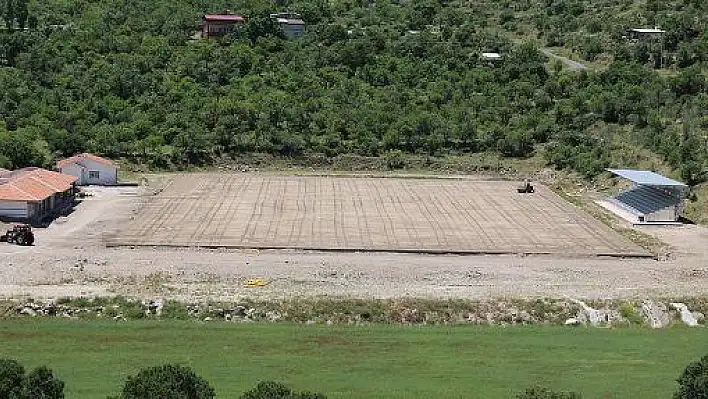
x,y
11,378
629,312
41,383
395,159
693,382
543,393
275,390
167,381
175,310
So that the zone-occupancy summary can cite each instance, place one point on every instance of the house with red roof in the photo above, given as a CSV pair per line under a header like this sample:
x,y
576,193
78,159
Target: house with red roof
x,y
90,169
34,194
214,25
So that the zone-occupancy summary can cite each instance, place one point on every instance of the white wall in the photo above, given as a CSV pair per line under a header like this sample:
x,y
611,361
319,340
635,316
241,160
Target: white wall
x,y
14,209
107,175
76,171
293,31
664,215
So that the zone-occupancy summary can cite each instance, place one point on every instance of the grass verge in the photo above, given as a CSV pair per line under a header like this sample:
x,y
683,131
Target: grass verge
x,y
372,361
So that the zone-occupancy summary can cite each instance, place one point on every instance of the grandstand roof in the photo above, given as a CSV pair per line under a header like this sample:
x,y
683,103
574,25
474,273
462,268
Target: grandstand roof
x,y
646,178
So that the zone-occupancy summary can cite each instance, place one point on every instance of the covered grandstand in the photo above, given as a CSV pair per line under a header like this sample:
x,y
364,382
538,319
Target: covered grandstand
x,y
652,199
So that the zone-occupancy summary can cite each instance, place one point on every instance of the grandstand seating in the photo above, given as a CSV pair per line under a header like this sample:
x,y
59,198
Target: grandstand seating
x,y
644,200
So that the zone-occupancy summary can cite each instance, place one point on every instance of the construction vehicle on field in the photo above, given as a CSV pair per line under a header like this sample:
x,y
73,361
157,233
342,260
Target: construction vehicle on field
x,y
525,187
20,234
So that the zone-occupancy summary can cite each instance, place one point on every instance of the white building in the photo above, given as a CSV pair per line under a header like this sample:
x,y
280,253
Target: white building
x,y
491,56
292,24
90,169
645,33
652,198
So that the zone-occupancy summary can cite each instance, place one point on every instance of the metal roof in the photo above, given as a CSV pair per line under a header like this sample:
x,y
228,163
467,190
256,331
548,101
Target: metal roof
x,y
491,55
646,177
224,17
647,30
290,21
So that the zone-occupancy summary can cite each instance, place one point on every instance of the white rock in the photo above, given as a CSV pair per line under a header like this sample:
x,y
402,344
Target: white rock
x,y
28,312
655,314
572,322
594,317
158,304
686,315
273,316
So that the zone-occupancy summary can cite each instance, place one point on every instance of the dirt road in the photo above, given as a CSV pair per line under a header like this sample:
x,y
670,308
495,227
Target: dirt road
x,y
574,65
70,259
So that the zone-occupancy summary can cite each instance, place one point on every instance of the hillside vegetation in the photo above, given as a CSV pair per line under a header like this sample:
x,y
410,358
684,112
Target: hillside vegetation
x,y
126,79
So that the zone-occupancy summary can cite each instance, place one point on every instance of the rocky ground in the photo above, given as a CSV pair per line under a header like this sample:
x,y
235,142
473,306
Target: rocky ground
x,y
70,259
570,312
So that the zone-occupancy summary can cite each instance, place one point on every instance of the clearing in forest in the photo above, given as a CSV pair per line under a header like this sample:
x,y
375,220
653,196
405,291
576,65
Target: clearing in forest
x,y
367,214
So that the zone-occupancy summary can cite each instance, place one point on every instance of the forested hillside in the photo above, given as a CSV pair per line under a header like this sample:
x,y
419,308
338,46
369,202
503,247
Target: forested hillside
x,y
127,79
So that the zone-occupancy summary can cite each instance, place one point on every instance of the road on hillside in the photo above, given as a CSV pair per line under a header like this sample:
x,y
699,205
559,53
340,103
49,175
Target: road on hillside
x,y
567,61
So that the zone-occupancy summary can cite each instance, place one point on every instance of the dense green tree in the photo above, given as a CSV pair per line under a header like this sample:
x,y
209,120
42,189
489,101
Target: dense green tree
x,y
693,382
128,79
167,381
40,383
275,390
544,393
11,378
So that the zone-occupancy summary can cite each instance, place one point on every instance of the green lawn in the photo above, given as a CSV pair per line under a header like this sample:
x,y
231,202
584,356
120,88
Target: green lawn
x,y
94,358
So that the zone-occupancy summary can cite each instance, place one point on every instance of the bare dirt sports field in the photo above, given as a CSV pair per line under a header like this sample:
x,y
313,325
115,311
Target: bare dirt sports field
x,y
71,257
367,214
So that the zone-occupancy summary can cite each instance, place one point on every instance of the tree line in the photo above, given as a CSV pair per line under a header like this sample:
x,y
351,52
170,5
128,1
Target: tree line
x,y
128,80
172,381
169,381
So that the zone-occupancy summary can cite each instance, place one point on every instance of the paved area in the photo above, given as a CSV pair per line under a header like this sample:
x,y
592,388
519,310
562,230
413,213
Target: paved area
x,y
367,214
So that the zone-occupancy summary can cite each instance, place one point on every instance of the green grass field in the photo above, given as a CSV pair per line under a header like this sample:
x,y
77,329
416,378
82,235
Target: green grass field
x,y
93,358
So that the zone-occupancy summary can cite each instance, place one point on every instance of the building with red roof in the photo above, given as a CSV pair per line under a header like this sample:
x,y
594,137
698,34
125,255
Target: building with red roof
x,y
90,169
214,25
34,194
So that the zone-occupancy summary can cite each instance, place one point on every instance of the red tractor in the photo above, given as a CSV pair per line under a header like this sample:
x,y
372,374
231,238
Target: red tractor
x,y
20,234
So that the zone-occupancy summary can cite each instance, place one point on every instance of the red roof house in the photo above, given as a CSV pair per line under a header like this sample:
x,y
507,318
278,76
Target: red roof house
x,y
214,25
33,193
90,169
